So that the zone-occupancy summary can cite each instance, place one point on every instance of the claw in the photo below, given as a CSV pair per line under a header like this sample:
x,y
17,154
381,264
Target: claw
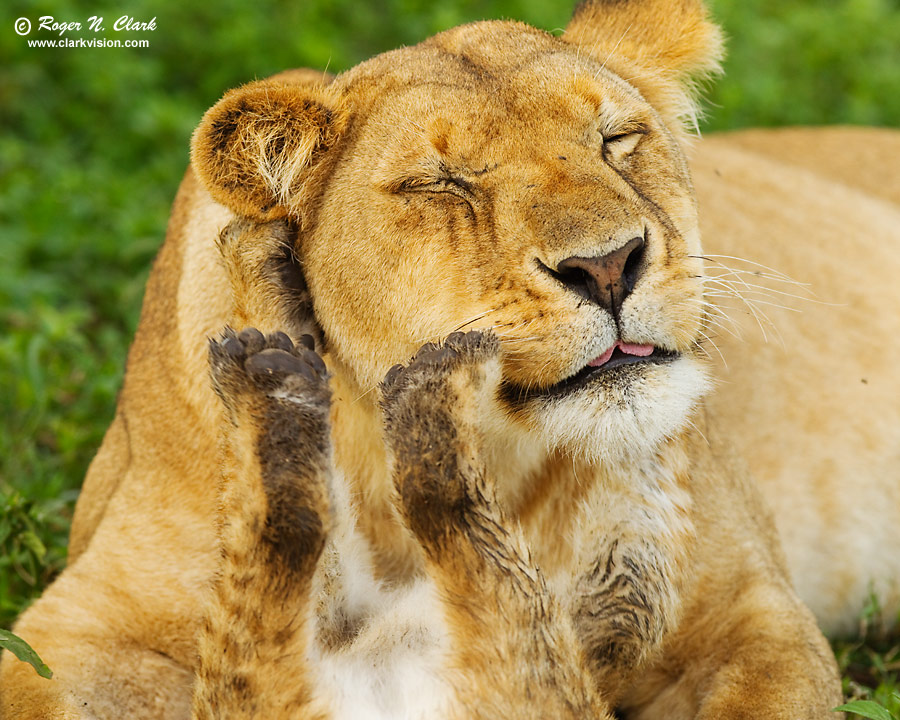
x,y
252,339
281,341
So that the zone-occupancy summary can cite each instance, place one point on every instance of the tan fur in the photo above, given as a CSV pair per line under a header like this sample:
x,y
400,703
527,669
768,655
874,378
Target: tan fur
x,y
823,440
602,548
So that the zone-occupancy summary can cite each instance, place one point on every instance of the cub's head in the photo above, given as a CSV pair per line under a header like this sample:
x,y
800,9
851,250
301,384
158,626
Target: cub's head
x,y
498,176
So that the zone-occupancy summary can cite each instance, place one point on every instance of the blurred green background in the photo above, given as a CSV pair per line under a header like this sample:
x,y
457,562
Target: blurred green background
x,y
95,140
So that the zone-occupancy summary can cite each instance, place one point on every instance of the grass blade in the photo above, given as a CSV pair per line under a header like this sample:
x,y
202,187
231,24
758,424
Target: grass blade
x,y
866,709
22,650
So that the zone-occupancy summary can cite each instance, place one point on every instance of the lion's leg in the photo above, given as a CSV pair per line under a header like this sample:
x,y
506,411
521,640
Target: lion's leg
x,y
622,602
267,286
632,546
513,644
744,646
274,520
774,661
754,654
100,670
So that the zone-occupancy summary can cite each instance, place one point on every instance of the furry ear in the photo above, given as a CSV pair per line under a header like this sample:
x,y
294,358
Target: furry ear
x,y
257,148
665,48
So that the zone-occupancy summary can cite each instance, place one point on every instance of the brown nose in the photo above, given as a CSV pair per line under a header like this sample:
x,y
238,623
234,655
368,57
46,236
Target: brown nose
x,y
607,279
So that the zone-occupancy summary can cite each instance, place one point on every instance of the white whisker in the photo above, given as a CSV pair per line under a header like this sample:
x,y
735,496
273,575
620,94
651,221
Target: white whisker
x,y
733,331
744,260
734,293
357,399
716,347
699,431
612,52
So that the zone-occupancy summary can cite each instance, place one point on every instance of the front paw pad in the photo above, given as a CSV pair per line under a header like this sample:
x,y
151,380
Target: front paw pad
x,y
250,363
433,362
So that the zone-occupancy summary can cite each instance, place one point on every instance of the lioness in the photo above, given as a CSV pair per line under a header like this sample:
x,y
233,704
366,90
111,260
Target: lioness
x,y
455,309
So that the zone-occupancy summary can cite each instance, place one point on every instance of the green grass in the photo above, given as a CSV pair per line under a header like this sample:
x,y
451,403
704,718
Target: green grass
x,y
870,662
94,142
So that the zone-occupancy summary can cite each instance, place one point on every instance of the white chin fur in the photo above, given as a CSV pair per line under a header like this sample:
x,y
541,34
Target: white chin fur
x,y
605,421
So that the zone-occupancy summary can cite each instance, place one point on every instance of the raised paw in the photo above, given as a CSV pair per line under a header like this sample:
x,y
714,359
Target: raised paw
x,y
278,442
432,409
443,387
248,364
435,361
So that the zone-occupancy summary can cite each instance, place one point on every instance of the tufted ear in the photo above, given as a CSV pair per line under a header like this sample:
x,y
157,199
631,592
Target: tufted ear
x,y
665,48
256,150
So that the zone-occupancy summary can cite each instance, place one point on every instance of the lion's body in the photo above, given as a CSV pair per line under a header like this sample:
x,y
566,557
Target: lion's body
x,y
717,630
821,429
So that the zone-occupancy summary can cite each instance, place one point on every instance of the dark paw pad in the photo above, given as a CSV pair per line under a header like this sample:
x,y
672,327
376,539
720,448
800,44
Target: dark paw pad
x,y
435,359
249,360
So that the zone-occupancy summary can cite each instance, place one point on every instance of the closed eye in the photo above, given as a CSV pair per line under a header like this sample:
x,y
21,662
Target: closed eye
x,y
451,184
622,144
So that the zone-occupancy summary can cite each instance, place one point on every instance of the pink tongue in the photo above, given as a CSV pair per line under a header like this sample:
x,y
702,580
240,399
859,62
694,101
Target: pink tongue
x,y
639,350
627,348
601,360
